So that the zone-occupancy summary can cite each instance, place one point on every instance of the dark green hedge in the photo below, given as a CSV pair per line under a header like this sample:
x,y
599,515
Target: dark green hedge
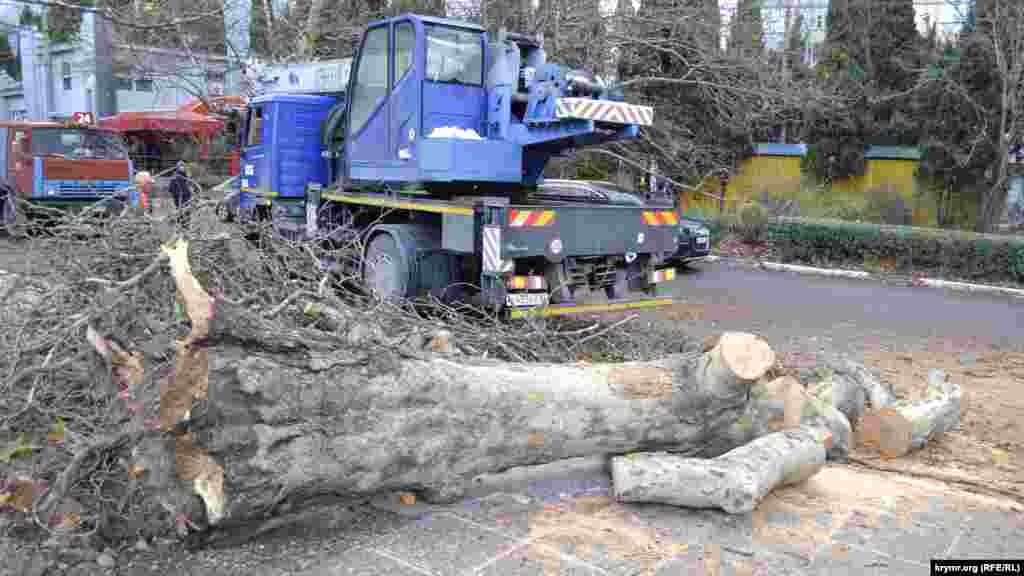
x,y
937,253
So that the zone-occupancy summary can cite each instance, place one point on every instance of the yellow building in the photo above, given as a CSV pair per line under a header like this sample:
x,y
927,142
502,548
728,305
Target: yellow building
x,y
889,167
771,166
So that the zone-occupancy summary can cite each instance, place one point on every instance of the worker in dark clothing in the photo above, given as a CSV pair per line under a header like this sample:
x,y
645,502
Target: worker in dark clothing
x,y
181,191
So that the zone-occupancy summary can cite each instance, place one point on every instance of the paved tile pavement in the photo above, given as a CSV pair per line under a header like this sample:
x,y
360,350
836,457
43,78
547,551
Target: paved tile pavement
x,y
573,527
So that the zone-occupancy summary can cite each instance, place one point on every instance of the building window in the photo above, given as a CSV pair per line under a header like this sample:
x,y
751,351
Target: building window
x,y
144,85
65,69
121,83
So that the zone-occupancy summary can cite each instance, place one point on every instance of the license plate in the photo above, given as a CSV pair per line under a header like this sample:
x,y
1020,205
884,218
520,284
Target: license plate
x,y
520,299
702,241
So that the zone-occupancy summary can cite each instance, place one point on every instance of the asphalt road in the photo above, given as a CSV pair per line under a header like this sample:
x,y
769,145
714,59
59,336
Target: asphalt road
x,y
795,308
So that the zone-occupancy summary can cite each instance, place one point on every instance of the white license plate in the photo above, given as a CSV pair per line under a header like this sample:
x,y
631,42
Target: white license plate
x,y
521,299
702,241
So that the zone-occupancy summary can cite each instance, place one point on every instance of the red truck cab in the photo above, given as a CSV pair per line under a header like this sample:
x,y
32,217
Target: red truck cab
x,y
64,165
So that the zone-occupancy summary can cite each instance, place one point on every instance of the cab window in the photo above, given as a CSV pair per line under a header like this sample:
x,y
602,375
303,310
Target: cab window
x,y
405,48
371,86
255,127
455,56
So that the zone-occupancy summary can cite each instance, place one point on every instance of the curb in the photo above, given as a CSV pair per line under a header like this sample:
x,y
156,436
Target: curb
x,y
862,275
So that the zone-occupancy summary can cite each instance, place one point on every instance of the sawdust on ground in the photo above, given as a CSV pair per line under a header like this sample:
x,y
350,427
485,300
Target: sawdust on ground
x,y
838,496
987,453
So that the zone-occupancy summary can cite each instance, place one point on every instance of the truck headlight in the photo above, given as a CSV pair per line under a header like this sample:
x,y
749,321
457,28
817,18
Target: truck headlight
x,y
51,192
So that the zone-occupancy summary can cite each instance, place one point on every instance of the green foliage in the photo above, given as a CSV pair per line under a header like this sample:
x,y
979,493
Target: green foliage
x,y
753,223
9,61
23,447
885,205
935,252
872,77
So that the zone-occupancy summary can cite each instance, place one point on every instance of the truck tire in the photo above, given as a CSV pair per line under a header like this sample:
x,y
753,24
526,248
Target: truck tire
x,y
8,211
618,289
385,271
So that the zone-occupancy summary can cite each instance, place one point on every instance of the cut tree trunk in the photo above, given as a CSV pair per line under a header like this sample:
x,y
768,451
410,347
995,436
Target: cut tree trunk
x,y
851,388
780,405
907,425
257,419
735,482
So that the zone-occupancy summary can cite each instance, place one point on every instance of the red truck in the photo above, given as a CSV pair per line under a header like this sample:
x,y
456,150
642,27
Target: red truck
x,y
61,165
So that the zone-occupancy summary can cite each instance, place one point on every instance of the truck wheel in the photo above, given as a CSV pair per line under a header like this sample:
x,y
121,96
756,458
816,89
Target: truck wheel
x,y
618,289
558,283
385,271
8,210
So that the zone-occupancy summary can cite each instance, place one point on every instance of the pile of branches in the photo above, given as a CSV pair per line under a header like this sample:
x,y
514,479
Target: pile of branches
x,y
96,290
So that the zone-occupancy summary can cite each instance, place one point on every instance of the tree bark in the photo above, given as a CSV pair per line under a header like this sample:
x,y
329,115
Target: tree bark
x,y
257,419
908,425
851,388
735,482
778,405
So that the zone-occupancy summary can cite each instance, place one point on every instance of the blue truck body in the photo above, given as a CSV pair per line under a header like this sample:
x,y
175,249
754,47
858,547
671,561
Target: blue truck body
x,y
446,129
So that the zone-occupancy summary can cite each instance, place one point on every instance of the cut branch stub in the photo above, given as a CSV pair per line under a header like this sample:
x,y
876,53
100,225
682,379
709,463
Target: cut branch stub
x,y
784,404
735,482
850,388
908,425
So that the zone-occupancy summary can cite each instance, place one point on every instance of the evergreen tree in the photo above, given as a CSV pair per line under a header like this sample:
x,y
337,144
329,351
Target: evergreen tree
x,y
747,30
872,54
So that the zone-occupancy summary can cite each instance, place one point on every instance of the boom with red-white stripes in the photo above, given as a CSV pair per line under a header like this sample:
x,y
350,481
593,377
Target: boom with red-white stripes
x,y
604,111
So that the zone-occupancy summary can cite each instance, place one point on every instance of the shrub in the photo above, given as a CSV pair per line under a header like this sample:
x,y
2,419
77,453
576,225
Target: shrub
x,y
753,223
780,196
885,205
936,252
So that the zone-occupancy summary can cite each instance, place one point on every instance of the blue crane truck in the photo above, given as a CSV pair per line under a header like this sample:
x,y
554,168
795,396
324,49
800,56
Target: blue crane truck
x,y
428,147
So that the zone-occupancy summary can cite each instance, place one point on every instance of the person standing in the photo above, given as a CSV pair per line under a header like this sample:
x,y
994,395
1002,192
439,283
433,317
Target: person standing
x,y
182,193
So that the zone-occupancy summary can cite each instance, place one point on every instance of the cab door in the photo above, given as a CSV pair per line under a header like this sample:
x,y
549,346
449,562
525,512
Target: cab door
x,y
368,146
405,101
19,160
255,166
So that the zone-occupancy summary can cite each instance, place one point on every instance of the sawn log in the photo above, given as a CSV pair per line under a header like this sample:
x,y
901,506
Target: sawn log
x,y
735,482
257,419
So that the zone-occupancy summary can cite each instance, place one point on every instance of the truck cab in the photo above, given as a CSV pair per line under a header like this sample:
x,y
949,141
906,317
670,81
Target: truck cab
x,y
62,165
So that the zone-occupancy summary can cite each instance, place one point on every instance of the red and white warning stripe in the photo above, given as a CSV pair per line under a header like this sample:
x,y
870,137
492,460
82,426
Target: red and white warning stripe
x,y
604,111
530,218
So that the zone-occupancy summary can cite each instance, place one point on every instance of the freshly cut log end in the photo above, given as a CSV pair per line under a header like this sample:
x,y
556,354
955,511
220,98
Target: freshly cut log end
x,y
735,482
908,425
747,355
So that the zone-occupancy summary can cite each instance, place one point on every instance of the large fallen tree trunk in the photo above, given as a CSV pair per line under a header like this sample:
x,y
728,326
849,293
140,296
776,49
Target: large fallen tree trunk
x,y
256,419
735,482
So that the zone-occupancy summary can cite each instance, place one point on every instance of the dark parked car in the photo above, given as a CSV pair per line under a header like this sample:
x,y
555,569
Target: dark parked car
x,y
694,239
